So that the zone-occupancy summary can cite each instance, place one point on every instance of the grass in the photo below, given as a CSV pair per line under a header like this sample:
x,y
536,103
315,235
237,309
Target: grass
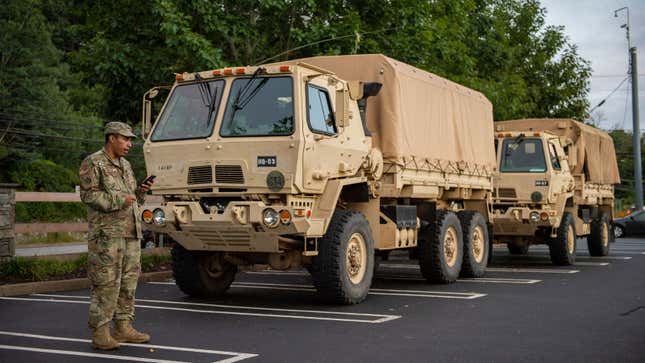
x,y
21,269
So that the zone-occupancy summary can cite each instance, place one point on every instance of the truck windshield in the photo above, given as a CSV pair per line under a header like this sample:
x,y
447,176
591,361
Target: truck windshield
x,y
523,156
190,112
262,106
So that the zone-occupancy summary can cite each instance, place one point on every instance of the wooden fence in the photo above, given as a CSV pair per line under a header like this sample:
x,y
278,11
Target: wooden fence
x,y
57,197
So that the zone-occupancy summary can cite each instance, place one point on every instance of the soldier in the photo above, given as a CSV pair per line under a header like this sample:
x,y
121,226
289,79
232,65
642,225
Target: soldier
x,y
110,191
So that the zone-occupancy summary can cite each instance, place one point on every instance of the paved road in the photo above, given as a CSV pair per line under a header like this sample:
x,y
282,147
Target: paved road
x,y
524,310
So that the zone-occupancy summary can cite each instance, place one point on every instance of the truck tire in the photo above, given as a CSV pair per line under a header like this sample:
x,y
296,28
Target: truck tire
x,y
598,239
476,244
441,249
514,249
343,270
201,274
563,248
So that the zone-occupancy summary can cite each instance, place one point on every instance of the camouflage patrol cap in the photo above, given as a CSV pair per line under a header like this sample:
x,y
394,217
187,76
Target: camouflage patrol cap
x,y
119,128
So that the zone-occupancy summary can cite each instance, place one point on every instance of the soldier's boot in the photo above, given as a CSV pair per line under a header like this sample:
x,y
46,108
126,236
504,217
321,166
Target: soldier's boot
x,y
124,332
101,338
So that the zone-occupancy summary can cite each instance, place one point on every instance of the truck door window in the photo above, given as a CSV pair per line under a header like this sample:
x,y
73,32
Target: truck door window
x,y
319,112
262,108
186,115
522,155
553,155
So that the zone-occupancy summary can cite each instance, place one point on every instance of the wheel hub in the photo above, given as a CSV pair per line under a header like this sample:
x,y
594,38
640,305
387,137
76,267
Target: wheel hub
x,y
356,261
450,246
477,244
605,235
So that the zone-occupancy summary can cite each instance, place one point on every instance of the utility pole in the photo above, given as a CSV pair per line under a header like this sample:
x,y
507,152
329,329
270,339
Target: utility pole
x,y
636,136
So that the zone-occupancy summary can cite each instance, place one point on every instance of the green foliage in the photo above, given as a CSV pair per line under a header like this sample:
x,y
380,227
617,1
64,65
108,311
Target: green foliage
x,y
21,268
33,212
27,269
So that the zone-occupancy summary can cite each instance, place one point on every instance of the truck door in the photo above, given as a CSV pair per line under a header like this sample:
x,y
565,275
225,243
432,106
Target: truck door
x,y
562,179
329,152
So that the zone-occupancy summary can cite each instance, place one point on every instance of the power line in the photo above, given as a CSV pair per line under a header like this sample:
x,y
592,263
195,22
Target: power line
x,y
609,95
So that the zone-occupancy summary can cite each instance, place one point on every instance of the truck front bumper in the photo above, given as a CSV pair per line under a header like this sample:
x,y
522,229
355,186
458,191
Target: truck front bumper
x,y
521,221
238,228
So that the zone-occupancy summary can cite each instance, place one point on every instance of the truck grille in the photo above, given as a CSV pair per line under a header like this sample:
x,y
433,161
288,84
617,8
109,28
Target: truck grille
x,y
504,193
200,174
229,174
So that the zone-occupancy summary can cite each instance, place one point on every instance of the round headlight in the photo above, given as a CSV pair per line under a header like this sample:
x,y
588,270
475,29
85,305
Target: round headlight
x,y
536,197
534,216
270,217
159,216
147,216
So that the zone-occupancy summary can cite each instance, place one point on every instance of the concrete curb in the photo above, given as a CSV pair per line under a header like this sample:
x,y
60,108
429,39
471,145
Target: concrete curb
x,y
66,285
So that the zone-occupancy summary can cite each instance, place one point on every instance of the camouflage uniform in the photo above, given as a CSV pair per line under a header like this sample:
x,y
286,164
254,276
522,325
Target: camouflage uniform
x,y
114,258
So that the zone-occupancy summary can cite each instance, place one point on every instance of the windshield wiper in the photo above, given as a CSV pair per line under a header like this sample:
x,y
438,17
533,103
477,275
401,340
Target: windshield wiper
x,y
239,104
211,105
204,90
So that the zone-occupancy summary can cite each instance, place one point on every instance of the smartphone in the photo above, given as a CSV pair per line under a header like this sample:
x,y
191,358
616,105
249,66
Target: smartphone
x,y
148,179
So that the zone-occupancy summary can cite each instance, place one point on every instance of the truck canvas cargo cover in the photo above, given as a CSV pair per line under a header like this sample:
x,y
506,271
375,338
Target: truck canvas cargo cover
x,y
418,115
596,157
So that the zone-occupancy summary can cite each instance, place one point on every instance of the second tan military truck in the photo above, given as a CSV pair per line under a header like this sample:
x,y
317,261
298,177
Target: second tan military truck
x,y
325,163
555,184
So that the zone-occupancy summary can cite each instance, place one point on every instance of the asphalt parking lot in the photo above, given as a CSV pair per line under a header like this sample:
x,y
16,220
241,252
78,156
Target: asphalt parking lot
x,y
525,309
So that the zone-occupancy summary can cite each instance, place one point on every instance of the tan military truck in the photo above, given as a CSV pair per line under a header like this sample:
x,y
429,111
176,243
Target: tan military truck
x,y
321,163
555,184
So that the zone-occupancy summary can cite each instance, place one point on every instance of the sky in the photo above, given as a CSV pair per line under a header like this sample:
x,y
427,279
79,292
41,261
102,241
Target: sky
x,y
591,25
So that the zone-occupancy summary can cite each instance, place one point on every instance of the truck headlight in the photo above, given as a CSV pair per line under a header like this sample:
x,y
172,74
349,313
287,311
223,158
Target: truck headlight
x,y
158,216
534,216
270,217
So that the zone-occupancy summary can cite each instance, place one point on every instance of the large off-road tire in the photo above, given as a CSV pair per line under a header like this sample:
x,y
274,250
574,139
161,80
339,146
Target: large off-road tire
x,y
563,248
201,274
515,249
598,239
342,272
440,248
476,244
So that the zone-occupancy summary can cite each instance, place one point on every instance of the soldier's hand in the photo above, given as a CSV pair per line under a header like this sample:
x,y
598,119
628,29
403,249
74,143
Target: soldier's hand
x,y
129,199
144,187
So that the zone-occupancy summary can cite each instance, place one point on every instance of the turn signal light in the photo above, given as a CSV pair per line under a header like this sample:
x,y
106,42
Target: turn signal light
x,y
285,216
544,216
147,216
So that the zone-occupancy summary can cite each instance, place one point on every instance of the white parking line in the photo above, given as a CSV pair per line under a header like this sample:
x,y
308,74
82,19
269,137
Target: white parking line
x,y
83,354
278,273
531,270
585,263
378,318
483,280
373,291
237,356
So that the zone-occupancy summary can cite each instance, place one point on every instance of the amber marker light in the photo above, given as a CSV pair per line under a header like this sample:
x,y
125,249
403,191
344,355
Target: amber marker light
x,y
240,71
228,71
217,72
285,216
284,69
544,216
147,216
179,77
